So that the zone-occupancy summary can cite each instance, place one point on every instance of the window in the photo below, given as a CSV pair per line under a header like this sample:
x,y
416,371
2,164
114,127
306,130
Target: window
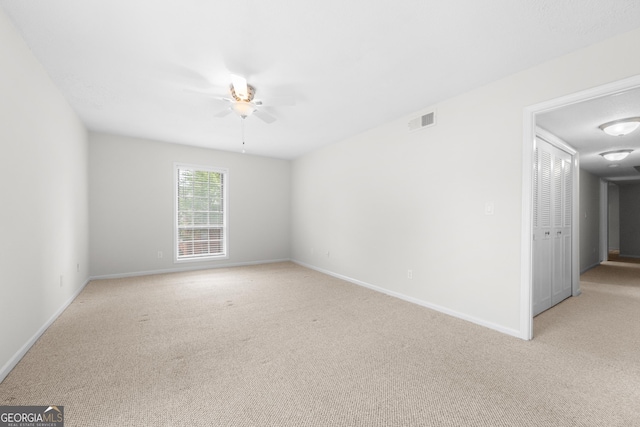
x,y
201,217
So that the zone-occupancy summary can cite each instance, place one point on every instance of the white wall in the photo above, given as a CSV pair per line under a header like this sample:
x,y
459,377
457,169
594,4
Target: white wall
x,y
386,201
131,205
589,221
43,183
630,220
614,216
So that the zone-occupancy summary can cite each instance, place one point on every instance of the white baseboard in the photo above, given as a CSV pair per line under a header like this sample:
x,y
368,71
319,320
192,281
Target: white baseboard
x,y
589,267
185,268
629,256
444,310
13,361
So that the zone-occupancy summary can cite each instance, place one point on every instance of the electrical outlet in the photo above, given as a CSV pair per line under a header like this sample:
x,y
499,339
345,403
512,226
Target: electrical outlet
x,y
409,274
61,280
159,254
78,267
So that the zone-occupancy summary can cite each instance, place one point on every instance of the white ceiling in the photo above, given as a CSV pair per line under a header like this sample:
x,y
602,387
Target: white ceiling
x,y
127,67
577,125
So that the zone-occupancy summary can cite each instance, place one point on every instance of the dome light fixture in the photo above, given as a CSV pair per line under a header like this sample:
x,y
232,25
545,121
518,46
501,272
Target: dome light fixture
x,y
243,108
614,156
620,127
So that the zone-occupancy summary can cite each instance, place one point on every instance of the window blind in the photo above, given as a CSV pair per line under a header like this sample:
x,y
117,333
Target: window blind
x,y
200,213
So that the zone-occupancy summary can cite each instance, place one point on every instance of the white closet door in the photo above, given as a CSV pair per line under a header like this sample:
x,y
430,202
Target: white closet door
x,y
562,281
542,249
552,217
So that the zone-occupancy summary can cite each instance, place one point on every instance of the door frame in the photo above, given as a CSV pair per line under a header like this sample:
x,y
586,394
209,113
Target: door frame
x,y
604,220
529,134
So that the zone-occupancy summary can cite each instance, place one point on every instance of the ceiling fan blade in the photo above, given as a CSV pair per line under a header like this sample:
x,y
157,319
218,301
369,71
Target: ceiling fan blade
x,y
202,92
267,118
240,86
217,99
223,113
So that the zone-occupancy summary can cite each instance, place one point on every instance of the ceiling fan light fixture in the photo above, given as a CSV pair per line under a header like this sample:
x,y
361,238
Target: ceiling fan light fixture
x,y
620,127
243,109
244,94
614,156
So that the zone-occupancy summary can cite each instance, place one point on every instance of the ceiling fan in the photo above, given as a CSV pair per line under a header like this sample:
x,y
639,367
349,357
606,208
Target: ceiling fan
x,y
242,101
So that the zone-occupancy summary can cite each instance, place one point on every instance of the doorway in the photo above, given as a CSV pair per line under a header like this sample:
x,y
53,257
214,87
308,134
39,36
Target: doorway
x,y
529,125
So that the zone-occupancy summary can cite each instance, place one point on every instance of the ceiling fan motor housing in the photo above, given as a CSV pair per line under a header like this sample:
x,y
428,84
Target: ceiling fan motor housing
x,y
250,93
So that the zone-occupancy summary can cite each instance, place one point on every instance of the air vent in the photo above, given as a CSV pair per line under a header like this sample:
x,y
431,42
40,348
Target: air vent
x,y
422,122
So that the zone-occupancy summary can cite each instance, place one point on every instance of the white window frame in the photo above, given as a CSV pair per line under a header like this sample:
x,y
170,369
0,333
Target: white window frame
x,y
225,203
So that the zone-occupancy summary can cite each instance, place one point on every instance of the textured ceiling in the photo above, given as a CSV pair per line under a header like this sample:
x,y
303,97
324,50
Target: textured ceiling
x,y
129,67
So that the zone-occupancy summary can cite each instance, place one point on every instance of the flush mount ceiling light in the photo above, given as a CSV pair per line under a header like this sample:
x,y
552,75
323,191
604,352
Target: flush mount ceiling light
x,y
617,155
621,127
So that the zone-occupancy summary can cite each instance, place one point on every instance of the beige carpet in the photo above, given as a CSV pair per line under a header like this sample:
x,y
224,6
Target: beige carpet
x,y
281,345
615,256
